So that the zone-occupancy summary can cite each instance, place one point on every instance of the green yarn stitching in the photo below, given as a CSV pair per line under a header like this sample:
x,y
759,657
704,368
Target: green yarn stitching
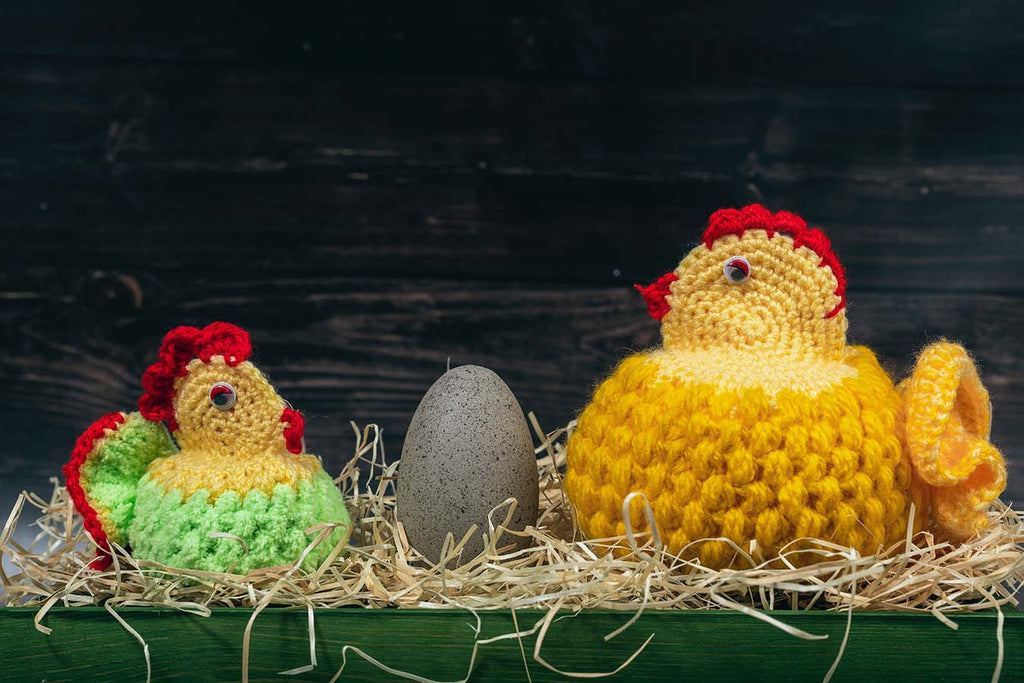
x,y
176,533
112,477
160,526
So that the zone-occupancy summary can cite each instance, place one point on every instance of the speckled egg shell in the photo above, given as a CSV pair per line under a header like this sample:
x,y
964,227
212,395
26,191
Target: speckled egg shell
x,y
468,449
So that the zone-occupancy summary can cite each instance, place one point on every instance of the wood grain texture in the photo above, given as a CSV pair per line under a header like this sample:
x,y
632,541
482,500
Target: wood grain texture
x,y
88,644
166,168
351,349
374,194
917,43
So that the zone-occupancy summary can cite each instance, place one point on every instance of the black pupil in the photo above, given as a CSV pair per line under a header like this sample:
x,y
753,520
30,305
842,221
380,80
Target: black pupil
x,y
736,273
222,399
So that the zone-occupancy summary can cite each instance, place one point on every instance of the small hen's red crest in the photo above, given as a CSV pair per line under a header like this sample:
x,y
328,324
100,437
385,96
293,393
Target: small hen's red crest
x,y
756,217
179,347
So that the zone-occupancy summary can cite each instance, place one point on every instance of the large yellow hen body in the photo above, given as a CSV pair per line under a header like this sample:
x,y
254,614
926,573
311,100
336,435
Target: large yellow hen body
x,y
755,425
745,463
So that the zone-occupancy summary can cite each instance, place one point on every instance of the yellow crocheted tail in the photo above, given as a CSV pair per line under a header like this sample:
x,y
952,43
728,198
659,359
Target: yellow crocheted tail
x,y
948,417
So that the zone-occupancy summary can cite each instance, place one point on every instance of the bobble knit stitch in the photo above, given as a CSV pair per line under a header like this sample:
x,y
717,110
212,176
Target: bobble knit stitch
x,y
756,422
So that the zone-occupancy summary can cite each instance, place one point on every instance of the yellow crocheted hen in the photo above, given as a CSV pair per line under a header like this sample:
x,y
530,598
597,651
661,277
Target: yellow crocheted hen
x,y
755,421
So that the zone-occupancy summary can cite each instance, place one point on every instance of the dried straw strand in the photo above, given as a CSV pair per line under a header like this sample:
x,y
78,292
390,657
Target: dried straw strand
x,y
375,567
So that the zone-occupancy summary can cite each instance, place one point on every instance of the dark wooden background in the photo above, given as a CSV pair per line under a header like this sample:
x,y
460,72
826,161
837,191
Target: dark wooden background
x,y
372,188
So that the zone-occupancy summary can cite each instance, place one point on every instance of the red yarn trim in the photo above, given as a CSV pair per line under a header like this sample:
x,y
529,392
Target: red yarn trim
x,y
178,348
294,431
656,293
73,479
756,217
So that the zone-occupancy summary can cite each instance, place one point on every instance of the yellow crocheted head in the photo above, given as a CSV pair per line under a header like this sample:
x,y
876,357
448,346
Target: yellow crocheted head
x,y
235,432
776,299
755,422
251,425
761,302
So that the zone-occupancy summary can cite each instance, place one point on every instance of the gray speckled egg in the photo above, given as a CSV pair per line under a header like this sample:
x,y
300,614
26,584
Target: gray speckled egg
x,y
468,449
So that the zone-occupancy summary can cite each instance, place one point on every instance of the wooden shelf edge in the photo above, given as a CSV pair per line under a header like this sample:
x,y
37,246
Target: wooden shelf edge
x,y
87,643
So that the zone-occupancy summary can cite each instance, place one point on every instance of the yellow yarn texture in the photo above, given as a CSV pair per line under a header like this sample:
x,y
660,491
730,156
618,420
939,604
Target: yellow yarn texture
x,y
233,450
757,425
948,421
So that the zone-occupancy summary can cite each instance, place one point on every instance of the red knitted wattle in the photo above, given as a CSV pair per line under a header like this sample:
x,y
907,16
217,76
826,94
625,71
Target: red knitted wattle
x,y
656,293
294,431
73,478
756,217
178,348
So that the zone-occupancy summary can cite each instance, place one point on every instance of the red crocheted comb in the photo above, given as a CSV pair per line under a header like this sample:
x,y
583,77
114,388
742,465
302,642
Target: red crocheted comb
x,y
179,347
755,217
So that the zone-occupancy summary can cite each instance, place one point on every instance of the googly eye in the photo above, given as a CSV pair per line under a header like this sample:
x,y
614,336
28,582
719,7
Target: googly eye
x,y
736,270
222,396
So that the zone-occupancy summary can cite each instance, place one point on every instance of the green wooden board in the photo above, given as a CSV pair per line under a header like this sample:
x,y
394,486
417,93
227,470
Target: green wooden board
x,y
88,644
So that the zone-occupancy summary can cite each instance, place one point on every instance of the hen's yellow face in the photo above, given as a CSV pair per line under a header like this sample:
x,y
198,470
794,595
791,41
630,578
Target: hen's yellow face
x,y
220,408
755,292
235,432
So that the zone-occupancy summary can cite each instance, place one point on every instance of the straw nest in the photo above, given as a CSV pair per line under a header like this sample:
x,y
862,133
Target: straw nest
x,y
560,569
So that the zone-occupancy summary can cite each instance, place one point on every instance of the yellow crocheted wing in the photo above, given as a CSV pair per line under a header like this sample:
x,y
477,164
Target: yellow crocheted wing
x,y
948,417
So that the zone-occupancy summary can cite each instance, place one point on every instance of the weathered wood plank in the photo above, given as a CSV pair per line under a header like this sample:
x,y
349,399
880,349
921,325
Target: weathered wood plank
x,y
366,350
709,646
170,169
942,42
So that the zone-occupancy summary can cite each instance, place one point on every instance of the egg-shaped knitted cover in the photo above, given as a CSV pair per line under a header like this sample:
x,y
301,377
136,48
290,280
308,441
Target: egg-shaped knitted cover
x,y
755,427
234,489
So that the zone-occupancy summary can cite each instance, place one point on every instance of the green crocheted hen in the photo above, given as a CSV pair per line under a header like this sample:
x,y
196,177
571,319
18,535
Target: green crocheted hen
x,y
238,471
